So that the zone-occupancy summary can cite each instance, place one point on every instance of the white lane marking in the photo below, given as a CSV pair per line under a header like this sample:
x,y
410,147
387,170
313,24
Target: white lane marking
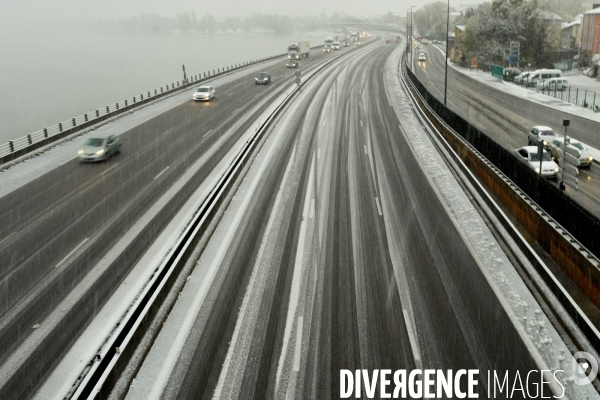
x,y
298,343
319,153
64,162
161,172
207,133
71,252
359,104
109,169
378,205
361,123
235,111
365,146
311,211
167,131
8,237
411,338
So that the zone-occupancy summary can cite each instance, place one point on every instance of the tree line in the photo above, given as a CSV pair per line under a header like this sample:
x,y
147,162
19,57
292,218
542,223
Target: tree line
x,y
490,27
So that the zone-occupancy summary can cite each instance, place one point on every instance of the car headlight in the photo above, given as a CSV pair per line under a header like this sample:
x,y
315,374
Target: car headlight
x,y
101,151
545,143
80,152
537,170
590,159
556,169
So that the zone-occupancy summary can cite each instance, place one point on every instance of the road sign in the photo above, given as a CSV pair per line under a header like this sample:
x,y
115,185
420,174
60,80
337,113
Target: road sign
x,y
514,58
298,81
572,170
515,47
571,181
572,159
497,71
298,74
474,62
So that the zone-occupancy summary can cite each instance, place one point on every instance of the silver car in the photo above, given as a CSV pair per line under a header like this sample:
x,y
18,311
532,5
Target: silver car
x,y
529,156
100,148
556,146
204,93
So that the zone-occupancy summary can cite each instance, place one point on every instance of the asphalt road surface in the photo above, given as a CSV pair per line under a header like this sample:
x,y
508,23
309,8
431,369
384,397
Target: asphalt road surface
x,y
57,227
507,118
326,263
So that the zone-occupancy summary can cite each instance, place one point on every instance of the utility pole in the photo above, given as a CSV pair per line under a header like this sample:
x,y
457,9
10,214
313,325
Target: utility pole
x,y
446,59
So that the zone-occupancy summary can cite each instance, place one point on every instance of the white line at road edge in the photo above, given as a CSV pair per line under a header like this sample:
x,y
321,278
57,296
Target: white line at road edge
x,y
111,168
72,251
207,133
378,205
164,133
298,343
365,146
311,211
161,172
411,338
8,237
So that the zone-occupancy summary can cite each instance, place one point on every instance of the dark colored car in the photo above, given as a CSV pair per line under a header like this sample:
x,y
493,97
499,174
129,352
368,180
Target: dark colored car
x,y
262,78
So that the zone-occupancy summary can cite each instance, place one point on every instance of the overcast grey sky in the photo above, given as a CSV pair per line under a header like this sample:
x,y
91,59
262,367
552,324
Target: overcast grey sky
x,y
26,10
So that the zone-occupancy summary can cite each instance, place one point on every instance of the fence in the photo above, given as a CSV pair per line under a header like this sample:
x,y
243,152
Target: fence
x,y
32,141
579,97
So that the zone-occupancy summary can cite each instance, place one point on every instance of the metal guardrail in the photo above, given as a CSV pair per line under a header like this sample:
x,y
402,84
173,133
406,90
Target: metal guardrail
x,y
32,141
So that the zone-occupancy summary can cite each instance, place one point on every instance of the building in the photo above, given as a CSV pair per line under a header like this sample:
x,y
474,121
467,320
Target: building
x,y
590,32
455,52
570,34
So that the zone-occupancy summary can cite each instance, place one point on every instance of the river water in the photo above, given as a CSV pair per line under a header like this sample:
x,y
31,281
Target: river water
x,y
50,75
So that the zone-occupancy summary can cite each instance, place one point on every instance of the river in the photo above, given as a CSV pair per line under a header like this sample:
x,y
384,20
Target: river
x,y
50,75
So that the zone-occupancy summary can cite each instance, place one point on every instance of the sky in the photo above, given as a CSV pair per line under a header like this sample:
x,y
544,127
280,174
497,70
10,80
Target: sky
x,y
16,11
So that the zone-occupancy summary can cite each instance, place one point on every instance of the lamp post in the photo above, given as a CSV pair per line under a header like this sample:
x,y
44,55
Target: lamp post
x,y
411,33
407,39
447,34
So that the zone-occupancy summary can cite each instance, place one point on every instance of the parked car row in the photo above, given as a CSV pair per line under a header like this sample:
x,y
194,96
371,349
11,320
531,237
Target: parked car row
x,y
552,152
543,79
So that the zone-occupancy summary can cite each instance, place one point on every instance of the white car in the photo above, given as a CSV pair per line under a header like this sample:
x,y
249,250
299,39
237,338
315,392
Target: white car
x,y
422,57
529,156
326,49
204,93
336,46
556,146
541,132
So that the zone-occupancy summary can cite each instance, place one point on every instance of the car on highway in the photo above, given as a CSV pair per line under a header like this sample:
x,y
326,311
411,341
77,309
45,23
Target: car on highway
x,y
529,156
204,93
556,149
422,57
326,49
541,132
263,78
292,64
336,46
100,148
346,44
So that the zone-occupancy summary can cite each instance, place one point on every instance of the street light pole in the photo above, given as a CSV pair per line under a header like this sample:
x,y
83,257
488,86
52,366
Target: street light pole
x,y
447,34
411,33
407,39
